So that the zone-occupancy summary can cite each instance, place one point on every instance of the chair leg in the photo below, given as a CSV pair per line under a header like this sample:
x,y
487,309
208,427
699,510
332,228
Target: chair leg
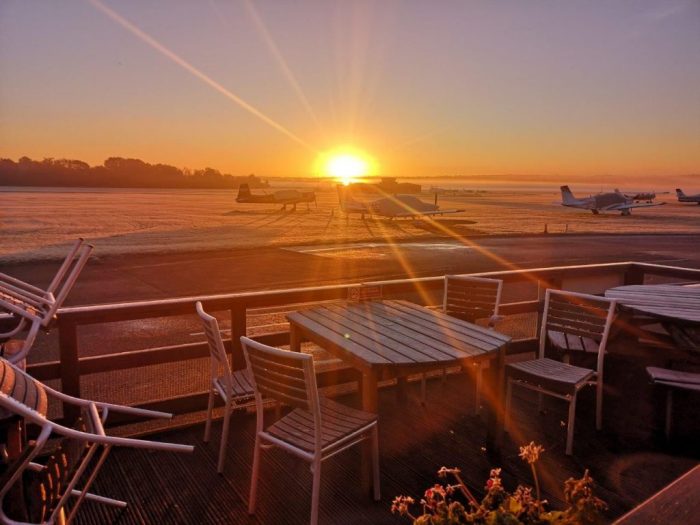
x,y
315,490
84,492
224,437
539,403
477,386
599,405
278,410
509,395
254,476
669,410
422,389
570,425
210,408
375,464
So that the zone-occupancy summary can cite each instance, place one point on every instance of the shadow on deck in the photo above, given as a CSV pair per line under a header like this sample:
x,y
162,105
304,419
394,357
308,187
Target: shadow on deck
x,y
625,459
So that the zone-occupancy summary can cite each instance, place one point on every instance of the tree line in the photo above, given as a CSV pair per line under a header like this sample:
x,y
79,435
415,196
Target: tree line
x,y
116,172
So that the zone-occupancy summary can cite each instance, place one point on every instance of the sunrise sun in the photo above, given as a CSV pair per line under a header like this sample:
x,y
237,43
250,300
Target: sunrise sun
x,y
346,166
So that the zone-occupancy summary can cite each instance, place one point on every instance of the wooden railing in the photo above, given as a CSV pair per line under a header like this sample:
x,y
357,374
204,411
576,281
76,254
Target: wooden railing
x,y
428,291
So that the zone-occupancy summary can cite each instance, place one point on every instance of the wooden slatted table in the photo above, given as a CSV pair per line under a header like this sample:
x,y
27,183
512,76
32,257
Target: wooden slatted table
x,y
676,307
676,303
393,339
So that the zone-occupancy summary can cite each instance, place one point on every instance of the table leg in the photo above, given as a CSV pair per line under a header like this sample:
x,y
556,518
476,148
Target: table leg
x,y
401,385
294,346
370,402
495,386
294,338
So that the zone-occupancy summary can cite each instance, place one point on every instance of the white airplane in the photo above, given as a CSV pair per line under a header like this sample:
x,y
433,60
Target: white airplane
x,y
682,197
612,201
391,207
283,197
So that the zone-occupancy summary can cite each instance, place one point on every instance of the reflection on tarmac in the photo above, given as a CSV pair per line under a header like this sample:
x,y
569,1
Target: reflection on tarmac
x,y
376,250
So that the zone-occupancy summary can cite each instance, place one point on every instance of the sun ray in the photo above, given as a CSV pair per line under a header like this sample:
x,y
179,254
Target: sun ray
x,y
282,63
165,51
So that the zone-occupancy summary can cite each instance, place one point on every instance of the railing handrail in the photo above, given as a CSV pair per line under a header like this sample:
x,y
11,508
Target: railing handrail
x,y
70,366
88,314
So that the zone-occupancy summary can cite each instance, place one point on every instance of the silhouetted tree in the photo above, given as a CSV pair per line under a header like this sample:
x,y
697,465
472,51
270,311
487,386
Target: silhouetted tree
x,y
116,172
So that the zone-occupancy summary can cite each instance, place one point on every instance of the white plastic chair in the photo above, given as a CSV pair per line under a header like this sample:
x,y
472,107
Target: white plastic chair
x,y
470,299
232,387
33,308
316,429
574,314
83,448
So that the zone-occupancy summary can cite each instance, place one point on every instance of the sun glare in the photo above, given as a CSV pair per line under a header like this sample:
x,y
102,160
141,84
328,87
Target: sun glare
x,y
345,166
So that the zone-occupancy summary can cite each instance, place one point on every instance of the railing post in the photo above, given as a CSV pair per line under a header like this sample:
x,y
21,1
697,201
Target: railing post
x,y
69,366
541,290
238,329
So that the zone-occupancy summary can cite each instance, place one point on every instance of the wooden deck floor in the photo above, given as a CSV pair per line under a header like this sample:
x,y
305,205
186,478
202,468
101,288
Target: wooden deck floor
x,y
626,460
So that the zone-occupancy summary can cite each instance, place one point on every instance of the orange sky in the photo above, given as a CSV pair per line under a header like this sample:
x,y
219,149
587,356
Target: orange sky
x,y
427,89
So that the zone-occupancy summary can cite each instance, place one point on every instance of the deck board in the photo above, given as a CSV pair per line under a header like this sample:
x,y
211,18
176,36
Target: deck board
x,y
415,441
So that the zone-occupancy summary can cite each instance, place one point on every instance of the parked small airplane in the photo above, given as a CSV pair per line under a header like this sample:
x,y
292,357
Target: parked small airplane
x,y
682,197
391,207
283,197
611,201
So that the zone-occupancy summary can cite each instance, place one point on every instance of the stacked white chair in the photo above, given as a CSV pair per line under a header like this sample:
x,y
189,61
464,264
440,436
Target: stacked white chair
x,y
30,308
51,487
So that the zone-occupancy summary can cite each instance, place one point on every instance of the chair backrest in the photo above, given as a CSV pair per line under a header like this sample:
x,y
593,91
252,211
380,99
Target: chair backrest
x,y
281,375
34,303
577,314
66,276
471,298
285,376
220,367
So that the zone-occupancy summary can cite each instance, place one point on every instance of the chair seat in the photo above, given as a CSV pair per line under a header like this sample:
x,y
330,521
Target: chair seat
x,y
337,422
572,343
550,374
22,388
242,384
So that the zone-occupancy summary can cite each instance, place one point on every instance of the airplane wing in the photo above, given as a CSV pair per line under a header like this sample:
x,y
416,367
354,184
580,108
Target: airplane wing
x,y
425,213
635,205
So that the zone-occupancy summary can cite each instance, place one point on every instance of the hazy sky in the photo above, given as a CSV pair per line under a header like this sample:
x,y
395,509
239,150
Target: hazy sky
x,y
426,87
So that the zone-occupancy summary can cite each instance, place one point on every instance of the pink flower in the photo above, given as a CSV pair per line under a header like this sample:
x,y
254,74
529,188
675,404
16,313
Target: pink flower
x,y
400,504
531,453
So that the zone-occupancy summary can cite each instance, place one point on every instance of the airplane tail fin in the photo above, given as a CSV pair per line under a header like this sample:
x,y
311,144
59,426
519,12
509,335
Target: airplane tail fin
x,y
566,196
243,191
679,192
